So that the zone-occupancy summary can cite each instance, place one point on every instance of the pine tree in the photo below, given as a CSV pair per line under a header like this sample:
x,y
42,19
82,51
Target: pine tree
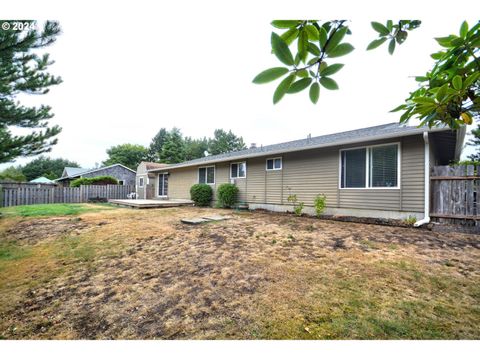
x,y
195,148
224,142
156,145
173,150
22,71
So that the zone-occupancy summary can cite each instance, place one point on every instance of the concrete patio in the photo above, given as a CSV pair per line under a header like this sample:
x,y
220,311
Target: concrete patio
x,y
143,204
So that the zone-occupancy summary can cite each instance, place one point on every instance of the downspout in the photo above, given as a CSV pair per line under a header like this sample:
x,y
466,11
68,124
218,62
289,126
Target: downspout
x,y
426,218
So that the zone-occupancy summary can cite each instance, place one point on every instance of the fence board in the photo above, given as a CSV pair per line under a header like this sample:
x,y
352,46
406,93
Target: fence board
x,y
13,194
455,194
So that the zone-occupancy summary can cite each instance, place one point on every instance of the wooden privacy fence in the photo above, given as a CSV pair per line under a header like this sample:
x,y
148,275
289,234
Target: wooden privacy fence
x,y
454,194
27,194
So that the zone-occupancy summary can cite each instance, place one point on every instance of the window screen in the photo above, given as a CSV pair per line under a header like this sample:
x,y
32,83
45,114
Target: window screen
x,y
278,163
201,175
241,170
354,168
210,175
234,170
270,164
384,166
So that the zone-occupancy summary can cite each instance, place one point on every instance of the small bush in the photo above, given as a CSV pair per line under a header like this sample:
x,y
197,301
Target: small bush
x,y
410,220
319,203
297,206
98,180
201,194
227,195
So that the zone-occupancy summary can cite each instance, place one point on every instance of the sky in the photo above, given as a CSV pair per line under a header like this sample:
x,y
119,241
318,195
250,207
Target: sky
x,y
131,68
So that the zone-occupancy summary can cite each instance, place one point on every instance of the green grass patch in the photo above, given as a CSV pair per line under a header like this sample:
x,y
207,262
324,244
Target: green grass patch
x,y
10,251
53,209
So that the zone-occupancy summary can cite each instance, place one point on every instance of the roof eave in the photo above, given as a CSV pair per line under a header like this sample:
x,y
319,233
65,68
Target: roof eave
x,y
415,131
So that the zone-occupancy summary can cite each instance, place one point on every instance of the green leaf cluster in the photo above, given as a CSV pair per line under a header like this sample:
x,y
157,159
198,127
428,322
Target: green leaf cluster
x,y
393,33
98,180
313,43
227,195
201,194
449,94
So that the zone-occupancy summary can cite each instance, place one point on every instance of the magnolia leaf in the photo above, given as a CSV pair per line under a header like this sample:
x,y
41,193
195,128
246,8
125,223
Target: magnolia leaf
x,y
285,24
391,46
457,82
299,85
330,70
322,37
376,43
270,75
336,38
328,83
282,88
380,28
281,50
314,92
313,49
341,50
312,32
464,30
290,35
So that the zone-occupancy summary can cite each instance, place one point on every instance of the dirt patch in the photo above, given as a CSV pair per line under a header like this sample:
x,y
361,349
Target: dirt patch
x,y
141,274
32,231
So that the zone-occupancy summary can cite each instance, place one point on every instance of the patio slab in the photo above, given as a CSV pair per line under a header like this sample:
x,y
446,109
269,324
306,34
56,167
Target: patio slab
x,y
144,204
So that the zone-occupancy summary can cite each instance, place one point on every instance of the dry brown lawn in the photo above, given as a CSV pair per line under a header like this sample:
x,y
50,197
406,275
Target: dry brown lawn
x,y
141,274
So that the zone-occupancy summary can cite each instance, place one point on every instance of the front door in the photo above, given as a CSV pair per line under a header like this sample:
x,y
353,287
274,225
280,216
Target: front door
x,y
163,185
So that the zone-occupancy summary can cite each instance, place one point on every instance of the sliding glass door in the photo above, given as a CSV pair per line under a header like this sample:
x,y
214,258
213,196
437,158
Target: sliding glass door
x,y
163,185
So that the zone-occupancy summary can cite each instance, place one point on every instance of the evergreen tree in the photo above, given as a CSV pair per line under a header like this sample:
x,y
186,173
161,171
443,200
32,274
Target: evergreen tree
x,y
22,71
173,150
45,166
224,142
13,174
156,145
128,155
195,148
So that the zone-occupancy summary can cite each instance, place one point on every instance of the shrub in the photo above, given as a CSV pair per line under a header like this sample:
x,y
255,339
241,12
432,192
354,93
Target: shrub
x,y
410,220
319,204
227,195
297,206
201,194
98,180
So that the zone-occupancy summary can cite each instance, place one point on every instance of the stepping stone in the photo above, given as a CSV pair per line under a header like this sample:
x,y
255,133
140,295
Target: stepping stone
x,y
194,221
215,217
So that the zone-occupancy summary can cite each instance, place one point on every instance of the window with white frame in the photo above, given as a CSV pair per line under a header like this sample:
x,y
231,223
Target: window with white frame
x,y
370,167
140,182
238,170
206,175
274,164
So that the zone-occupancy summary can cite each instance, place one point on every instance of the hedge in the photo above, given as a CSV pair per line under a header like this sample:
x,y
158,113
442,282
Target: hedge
x,y
98,180
227,195
201,194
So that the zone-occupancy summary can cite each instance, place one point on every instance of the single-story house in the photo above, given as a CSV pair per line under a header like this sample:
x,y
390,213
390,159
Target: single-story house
x,y
42,180
123,174
381,171
145,179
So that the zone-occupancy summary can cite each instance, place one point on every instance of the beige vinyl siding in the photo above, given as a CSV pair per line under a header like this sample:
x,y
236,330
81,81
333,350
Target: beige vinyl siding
x,y
256,180
413,177
309,173
312,172
179,183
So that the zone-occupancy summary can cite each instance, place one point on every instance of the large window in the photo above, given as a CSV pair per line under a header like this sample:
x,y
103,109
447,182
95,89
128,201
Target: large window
x,y
238,170
206,175
370,167
274,164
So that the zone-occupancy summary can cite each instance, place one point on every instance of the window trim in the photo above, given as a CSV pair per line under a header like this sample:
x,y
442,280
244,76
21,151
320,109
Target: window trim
x,y
274,169
142,182
206,177
368,167
238,177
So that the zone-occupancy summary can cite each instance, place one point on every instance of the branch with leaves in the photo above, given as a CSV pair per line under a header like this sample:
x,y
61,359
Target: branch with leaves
x,y
318,43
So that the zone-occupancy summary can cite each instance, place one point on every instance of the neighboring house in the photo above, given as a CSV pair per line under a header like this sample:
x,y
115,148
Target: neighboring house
x,y
123,174
42,180
380,171
145,179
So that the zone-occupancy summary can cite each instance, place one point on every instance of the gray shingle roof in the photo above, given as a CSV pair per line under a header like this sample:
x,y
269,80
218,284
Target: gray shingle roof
x,y
365,134
72,171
